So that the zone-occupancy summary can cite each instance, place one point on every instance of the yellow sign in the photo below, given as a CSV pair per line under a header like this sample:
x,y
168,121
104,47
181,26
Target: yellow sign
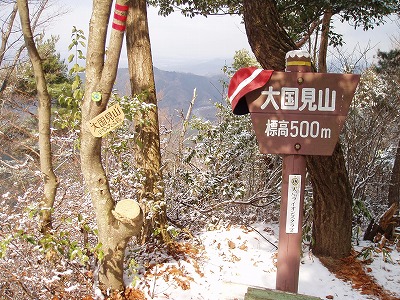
x,y
108,120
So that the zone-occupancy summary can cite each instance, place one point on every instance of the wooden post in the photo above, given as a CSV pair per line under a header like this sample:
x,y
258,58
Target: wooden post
x,y
292,201
289,248
294,113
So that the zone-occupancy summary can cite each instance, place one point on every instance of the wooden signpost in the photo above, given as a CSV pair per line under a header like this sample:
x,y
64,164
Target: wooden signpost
x,y
294,113
301,113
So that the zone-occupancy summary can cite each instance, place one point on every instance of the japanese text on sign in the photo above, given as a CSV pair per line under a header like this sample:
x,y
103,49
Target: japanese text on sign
x,y
107,121
295,128
293,208
300,99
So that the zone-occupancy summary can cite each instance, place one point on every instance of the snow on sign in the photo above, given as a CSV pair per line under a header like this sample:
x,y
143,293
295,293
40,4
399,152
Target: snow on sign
x,y
294,112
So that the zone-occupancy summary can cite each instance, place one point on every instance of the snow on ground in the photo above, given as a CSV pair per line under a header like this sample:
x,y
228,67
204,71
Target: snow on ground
x,y
235,258
386,274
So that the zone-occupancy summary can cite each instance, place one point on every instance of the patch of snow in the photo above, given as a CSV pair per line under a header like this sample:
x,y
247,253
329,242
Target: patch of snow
x,y
72,288
236,258
54,278
66,272
98,294
316,280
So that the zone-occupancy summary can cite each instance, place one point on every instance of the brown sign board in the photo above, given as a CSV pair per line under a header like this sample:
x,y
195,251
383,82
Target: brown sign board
x,y
301,113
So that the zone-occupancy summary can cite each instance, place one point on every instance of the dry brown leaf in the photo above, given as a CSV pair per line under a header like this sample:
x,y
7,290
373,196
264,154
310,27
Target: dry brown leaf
x,y
134,294
243,246
184,284
197,268
231,244
350,269
235,258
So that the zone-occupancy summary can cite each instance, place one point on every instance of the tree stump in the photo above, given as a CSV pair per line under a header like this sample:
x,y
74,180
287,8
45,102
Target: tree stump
x,y
387,223
129,212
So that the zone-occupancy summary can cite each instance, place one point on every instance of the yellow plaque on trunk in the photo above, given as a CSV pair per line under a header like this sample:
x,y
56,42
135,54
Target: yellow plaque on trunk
x,y
108,120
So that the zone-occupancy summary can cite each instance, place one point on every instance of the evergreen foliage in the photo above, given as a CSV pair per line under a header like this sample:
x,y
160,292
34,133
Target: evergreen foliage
x,y
55,69
389,62
297,15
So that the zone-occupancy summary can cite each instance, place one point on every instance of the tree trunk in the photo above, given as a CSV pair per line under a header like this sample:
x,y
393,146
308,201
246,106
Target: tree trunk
x,y
114,228
6,33
147,152
267,38
44,114
394,188
332,204
324,42
331,187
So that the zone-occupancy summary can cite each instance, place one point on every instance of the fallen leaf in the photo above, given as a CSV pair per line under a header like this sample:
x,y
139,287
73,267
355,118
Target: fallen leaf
x,y
231,244
243,247
184,284
235,258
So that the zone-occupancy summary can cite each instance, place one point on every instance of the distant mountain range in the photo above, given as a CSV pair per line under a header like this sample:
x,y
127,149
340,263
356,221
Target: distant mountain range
x,y
175,91
207,67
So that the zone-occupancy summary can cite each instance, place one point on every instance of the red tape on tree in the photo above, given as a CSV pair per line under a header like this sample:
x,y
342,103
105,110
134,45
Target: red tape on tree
x,y
121,7
120,18
118,27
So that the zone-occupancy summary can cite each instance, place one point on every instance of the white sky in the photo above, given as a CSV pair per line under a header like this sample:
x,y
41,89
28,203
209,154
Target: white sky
x,y
178,40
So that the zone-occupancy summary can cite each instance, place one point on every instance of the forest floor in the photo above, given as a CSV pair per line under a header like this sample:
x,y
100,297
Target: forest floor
x,y
221,264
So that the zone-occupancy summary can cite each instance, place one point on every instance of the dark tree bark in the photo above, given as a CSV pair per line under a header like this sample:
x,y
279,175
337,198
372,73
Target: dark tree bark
x,y
324,42
332,204
332,197
394,189
147,152
331,187
267,38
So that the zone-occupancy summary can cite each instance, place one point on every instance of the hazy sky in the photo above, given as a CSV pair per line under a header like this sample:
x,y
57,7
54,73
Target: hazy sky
x,y
174,39
178,40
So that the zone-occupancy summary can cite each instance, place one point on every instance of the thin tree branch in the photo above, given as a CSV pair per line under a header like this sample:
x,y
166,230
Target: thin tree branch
x,y
271,243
